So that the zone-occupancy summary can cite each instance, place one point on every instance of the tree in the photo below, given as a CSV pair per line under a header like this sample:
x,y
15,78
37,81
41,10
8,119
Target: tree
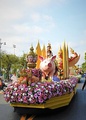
x,y
84,64
85,57
8,60
22,61
12,63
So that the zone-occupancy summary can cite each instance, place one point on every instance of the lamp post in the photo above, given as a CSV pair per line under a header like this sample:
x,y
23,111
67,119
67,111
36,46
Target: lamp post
x,y
0,54
14,46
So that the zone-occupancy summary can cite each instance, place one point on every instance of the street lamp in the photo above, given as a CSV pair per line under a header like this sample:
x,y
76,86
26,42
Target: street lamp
x,y
14,46
0,54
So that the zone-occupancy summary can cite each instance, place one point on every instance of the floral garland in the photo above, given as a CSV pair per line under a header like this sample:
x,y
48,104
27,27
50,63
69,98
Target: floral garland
x,y
38,92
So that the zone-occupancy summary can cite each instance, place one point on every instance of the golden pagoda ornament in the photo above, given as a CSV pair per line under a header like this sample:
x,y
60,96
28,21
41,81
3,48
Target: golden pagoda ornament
x,y
31,58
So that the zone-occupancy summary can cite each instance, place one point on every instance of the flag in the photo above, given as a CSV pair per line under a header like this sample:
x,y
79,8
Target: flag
x,y
43,52
38,52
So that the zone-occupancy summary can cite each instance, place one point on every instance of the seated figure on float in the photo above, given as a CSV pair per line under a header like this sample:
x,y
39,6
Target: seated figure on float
x,y
49,52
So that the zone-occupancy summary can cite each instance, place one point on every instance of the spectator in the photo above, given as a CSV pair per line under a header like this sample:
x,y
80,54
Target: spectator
x,y
84,82
14,78
2,84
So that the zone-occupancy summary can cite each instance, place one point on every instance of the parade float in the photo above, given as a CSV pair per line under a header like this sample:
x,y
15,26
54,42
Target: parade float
x,y
36,89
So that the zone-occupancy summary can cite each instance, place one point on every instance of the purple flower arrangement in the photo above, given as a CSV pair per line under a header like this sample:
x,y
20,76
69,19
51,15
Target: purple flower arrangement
x,y
38,92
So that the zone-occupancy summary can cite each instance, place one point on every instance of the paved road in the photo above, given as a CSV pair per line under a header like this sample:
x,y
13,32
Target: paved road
x,y
75,111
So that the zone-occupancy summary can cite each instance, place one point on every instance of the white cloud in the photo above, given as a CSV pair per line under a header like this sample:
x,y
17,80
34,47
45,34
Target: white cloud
x,y
26,29
10,10
47,18
21,28
39,24
85,32
35,17
41,3
10,14
36,3
37,29
46,21
16,9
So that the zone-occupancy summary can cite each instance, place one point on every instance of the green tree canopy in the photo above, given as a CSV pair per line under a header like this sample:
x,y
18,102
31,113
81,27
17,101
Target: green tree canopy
x,y
84,64
85,57
8,61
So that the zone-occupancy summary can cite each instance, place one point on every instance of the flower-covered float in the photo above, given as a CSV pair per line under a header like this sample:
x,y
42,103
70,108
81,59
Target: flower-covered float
x,y
35,87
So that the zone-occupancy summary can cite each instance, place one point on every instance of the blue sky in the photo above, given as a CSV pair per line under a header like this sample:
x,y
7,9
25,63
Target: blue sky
x,y
24,22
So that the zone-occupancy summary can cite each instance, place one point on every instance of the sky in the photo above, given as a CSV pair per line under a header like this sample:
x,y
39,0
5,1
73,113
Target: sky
x,y
25,22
